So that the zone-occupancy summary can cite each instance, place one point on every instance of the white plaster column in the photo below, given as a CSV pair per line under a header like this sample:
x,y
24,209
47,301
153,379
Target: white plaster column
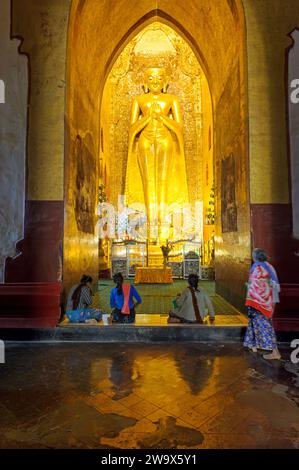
x,y
13,128
293,76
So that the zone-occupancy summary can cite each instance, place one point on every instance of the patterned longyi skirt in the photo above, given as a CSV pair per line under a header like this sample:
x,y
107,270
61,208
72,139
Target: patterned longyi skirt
x,y
260,332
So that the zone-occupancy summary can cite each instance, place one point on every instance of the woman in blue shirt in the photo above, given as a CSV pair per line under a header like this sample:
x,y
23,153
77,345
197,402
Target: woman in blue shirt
x,y
122,300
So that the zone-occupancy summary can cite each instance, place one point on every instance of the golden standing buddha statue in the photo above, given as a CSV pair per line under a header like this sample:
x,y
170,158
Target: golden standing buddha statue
x,y
156,140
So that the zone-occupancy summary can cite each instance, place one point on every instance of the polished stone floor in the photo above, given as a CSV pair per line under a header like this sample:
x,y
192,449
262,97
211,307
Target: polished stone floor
x,y
83,395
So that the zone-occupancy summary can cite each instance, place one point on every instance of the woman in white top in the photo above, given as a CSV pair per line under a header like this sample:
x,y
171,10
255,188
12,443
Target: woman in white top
x,y
192,305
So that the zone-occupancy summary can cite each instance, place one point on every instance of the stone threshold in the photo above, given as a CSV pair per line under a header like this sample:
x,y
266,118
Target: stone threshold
x,y
126,333
134,334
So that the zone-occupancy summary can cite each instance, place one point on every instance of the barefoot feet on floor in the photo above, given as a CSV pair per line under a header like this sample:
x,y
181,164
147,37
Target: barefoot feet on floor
x,y
274,355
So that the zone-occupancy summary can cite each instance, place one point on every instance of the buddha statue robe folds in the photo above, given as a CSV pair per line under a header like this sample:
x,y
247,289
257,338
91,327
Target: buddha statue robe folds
x,y
156,169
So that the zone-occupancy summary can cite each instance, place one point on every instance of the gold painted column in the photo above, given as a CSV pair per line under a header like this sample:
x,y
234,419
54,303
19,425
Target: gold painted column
x,y
269,23
44,31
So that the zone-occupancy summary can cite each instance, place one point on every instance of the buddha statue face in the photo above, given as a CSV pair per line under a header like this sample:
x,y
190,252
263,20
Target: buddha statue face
x,y
156,80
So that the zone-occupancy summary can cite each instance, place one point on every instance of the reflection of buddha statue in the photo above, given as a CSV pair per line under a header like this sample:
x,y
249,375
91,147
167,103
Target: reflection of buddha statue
x,y
156,141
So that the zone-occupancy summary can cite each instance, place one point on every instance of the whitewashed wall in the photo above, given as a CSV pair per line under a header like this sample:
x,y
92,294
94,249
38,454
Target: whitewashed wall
x,y
293,68
13,127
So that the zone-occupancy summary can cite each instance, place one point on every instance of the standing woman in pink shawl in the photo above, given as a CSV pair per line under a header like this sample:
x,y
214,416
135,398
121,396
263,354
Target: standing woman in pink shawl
x,y
262,295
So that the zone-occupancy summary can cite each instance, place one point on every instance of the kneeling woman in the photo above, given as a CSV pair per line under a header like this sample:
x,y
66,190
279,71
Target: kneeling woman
x,y
79,303
192,305
121,300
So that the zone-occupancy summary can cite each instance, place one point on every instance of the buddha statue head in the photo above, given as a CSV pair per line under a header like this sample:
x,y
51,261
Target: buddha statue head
x,y
155,80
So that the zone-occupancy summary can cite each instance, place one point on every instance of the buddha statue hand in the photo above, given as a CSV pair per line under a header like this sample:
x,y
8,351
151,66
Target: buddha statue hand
x,y
155,111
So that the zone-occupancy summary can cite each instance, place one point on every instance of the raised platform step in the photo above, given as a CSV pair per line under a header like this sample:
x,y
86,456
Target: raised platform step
x,y
134,334
127,333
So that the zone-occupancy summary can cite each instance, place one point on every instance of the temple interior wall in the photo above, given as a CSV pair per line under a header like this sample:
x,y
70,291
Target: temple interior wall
x,y
269,24
293,108
13,127
42,26
208,176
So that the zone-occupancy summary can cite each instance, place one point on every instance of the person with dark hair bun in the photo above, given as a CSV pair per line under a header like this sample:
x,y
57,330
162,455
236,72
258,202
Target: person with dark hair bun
x,y
262,295
79,303
192,305
122,300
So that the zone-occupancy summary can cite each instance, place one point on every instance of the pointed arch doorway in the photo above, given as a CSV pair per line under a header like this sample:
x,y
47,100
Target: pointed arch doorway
x,y
97,38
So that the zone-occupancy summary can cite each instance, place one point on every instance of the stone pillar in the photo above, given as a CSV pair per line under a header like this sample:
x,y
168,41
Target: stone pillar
x,y
44,32
293,78
13,126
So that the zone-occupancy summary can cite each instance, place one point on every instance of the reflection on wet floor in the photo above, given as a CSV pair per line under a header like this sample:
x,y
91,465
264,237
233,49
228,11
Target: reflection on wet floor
x,y
146,396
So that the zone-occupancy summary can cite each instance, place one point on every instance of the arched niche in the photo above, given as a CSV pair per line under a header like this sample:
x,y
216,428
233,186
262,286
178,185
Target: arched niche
x,y
98,32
